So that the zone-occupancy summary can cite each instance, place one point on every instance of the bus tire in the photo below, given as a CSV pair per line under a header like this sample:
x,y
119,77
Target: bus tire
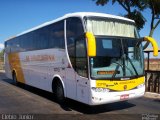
x,y
59,92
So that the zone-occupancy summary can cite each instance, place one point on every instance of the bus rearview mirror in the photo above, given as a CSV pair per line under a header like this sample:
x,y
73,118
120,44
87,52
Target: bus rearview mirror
x,y
154,44
91,44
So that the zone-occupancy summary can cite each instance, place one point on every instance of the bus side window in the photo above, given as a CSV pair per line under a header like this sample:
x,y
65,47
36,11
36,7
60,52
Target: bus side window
x,y
57,35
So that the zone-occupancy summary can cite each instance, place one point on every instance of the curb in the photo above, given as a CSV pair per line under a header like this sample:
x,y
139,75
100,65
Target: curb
x,y
152,95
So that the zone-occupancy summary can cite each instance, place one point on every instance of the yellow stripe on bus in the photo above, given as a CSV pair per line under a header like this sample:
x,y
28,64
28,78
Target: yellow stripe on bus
x,y
15,64
120,85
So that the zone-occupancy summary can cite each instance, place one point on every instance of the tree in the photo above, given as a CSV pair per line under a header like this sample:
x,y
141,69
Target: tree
x,y
154,6
137,7
132,7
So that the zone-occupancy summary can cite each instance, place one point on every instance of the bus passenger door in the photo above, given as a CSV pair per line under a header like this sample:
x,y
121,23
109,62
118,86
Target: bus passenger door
x,y
77,57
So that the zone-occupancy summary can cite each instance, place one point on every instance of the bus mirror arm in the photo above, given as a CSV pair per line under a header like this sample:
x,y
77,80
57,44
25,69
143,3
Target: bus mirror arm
x,y
154,44
91,44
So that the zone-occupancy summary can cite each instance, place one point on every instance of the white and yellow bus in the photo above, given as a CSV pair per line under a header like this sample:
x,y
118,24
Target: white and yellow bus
x,y
93,58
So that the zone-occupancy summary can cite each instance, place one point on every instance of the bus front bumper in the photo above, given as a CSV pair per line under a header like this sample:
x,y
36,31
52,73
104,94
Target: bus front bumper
x,y
98,98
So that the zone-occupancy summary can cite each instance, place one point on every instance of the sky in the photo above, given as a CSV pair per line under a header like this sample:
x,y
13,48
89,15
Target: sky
x,y
17,16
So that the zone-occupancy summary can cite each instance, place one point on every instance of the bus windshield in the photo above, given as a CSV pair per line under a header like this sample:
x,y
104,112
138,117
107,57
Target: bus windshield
x,y
117,57
119,51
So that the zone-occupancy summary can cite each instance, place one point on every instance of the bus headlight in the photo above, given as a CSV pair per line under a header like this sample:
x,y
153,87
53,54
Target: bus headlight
x,y
141,85
100,89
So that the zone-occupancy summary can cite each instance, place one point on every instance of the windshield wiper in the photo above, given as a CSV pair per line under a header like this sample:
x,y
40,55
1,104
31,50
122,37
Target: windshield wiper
x,y
123,66
116,70
123,59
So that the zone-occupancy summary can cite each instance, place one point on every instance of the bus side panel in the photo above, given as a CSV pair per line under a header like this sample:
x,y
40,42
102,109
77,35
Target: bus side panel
x,y
7,67
40,66
15,65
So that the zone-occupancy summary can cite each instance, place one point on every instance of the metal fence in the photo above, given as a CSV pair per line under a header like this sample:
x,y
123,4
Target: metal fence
x,y
152,81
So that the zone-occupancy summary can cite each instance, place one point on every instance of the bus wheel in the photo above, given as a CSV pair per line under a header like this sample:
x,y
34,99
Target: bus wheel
x,y
14,76
59,92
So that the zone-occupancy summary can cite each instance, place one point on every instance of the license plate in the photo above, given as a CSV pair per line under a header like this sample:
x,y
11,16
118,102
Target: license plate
x,y
125,96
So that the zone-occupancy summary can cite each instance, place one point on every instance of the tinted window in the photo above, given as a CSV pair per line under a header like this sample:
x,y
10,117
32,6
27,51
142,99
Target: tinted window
x,y
76,45
51,36
81,57
74,29
56,35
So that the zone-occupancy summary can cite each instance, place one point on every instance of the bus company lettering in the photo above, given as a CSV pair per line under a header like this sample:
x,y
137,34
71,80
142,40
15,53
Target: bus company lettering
x,y
105,72
101,84
104,85
127,82
40,58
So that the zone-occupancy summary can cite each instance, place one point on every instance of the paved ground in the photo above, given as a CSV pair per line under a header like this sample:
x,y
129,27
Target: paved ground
x,y
37,104
152,95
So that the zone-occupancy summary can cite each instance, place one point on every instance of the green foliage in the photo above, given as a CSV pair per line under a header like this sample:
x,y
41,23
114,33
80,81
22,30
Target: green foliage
x,y
154,5
2,55
101,2
137,17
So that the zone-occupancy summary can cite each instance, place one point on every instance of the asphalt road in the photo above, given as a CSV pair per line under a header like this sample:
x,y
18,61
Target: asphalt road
x,y
17,102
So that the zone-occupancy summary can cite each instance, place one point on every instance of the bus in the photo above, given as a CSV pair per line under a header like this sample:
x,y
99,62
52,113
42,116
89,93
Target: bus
x,y
93,58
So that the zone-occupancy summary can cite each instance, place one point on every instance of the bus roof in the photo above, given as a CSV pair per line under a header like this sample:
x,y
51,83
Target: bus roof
x,y
76,14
